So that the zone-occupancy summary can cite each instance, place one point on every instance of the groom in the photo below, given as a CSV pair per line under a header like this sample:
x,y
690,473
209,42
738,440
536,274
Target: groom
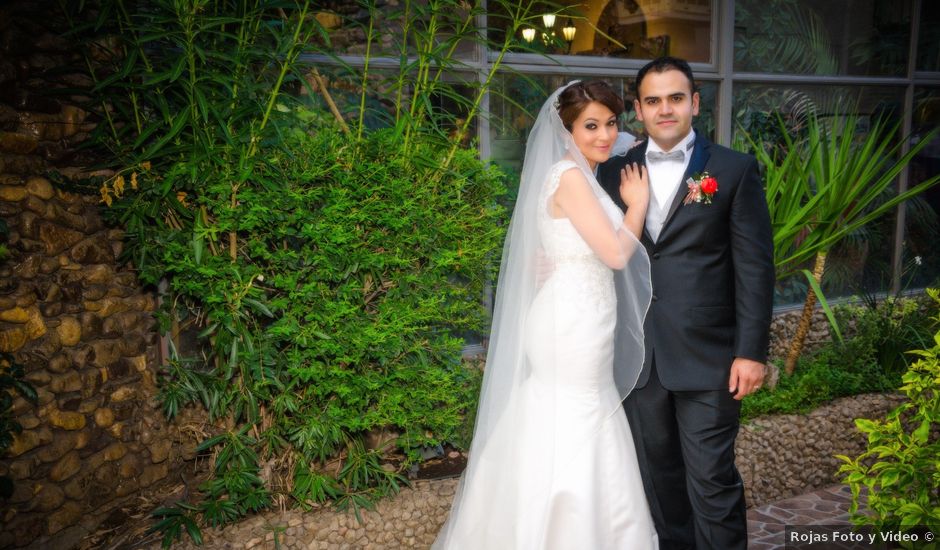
x,y
707,328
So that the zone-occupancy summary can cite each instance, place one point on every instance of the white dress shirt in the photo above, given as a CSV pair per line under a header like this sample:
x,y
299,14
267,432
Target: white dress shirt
x,y
665,181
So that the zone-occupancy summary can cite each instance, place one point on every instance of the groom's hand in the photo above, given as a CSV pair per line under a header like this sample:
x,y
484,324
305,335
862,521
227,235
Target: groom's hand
x,y
544,267
747,376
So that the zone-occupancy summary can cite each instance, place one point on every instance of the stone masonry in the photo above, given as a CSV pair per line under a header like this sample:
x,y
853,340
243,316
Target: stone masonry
x,y
69,311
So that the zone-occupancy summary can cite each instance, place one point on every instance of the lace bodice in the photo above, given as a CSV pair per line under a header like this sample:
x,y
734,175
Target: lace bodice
x,y
560,239
564,246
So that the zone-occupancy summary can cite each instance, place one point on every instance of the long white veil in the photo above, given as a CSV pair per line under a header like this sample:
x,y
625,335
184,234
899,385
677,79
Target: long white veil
x,y
512,457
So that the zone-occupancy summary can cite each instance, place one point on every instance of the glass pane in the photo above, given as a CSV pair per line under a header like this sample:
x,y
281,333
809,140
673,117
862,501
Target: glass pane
x,y
344,88
921,261
516,100
389,96
396,26
862,261
928,43
836,37
756,105
636,29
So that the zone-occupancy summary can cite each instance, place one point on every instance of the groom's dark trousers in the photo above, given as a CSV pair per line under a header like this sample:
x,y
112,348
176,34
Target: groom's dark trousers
x,y
713,275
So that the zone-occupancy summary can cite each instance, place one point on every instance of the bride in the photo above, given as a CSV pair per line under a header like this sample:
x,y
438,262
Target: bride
x,y
552,463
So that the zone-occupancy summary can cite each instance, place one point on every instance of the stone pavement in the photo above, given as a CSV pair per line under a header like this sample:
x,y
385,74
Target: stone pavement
x,y
411,519
766,524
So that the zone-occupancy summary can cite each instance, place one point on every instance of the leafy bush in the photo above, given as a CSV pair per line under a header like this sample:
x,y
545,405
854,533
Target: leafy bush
x,y
320,273
886,328
868,360
12,382
343,315
901,466
818,379
12,379
360,276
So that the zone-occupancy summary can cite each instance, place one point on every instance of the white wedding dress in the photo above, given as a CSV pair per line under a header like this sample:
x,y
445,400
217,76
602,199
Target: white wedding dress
x,y
575,483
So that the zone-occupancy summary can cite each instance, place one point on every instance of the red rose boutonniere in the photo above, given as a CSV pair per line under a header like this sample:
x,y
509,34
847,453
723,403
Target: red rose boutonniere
x,y
701,189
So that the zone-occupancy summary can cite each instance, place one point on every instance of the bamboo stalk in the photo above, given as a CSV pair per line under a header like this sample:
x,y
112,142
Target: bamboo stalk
x,y
321,84
232,238
809,306
518,16
406,28
365,74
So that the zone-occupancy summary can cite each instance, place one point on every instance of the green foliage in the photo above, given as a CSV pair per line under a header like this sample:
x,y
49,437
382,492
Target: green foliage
x,y
187,90
825,185
820,378
359,277
11,380
320,278
901,466
342,315
236,488
830,181
871,358
885,329
172,522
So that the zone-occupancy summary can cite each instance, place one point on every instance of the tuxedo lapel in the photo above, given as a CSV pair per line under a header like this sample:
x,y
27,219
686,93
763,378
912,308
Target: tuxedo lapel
x,y
697,163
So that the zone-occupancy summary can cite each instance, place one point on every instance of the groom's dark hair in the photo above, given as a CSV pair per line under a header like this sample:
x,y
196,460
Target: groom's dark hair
x,y
661,65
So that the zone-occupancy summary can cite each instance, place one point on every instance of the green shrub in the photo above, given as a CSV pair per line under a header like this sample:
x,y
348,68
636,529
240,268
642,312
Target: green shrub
x,y
343,315
12,382
360,276
884,329
867,361
818,379
321,272
901,466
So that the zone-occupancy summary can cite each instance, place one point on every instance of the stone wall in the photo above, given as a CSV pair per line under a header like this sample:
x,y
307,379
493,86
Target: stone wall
x,y
783,327
69,312
783,455
85,333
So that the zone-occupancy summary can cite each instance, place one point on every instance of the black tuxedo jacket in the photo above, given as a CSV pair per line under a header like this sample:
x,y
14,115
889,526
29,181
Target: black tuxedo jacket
x,y
712,271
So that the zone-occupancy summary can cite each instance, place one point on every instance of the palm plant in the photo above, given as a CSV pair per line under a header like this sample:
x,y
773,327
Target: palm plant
x,y
826,186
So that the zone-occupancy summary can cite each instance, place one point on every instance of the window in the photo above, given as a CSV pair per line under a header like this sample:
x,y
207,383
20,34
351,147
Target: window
x,y
395,25
862,261
634,29
921,259
836,37
755,105
928,43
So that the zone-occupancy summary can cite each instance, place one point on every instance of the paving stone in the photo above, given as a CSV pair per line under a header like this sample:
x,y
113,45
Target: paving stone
x,y
826,506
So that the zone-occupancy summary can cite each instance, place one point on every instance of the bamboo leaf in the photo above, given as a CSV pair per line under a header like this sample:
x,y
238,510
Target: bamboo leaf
x,y
179,122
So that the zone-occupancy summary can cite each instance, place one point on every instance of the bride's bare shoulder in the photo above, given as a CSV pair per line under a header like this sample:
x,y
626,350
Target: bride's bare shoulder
x,y
571,177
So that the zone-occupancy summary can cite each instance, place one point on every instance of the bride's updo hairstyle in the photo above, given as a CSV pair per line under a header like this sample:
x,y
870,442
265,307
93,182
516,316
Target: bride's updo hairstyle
x,y
575,98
